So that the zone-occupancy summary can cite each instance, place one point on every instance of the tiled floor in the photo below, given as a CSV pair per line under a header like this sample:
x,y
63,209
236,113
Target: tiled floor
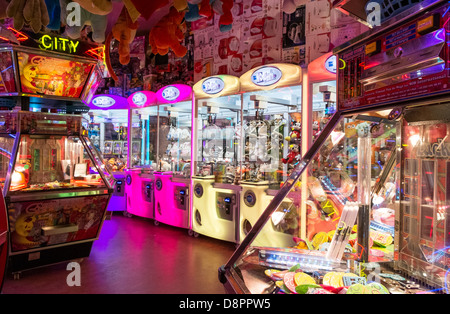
x,y
133,256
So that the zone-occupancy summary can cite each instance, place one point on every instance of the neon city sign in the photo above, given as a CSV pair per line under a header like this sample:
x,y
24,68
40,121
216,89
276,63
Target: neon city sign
x,y
48,42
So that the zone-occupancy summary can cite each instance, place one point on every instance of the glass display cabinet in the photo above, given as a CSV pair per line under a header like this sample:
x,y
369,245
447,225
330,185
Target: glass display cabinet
x,y
107,126
369,199
143,125
272,131
217,155
173,169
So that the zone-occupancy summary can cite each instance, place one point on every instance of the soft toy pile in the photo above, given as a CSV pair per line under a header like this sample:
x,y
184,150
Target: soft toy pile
x,y
169,34
124,32
197,9
28,12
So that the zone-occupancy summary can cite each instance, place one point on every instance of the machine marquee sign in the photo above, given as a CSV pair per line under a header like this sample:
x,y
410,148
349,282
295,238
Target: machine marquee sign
x,y
440,149
58,44
266,76
213,85
171,93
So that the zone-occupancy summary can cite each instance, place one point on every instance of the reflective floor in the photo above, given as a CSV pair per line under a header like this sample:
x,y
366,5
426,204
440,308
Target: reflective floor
x,y
133,256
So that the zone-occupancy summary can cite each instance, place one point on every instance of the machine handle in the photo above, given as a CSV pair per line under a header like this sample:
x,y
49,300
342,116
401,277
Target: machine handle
x,y
52,230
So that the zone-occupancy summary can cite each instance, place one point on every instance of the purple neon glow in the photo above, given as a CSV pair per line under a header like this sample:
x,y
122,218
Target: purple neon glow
x,y
108,102
179,92
142,99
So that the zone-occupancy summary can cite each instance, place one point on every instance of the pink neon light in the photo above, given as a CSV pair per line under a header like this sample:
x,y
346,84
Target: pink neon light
x,y
184,93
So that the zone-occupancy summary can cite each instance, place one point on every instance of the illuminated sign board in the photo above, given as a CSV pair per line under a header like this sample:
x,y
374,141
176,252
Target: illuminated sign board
x,y
170,93
58,44
213,85
266,76
139,99
330,64
103,101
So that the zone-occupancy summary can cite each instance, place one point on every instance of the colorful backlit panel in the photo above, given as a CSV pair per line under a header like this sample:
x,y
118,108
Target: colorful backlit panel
x,y
40,75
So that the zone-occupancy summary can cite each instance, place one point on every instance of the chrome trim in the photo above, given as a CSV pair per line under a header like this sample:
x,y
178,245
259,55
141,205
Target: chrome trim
x,y
58,229
46,195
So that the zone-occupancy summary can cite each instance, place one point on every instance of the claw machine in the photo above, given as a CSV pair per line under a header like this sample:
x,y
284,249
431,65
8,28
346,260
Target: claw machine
x,y
272,131
107,125
55,184
142,144
376,218
217,158
173,168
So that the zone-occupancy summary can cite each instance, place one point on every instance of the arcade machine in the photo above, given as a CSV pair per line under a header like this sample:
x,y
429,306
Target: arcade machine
x,y
107,122
173,169
142,142
4,240
272,105
382,161
56,187
217,158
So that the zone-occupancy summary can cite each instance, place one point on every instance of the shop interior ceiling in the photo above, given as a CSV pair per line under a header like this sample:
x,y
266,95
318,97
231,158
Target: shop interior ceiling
x,y
145,25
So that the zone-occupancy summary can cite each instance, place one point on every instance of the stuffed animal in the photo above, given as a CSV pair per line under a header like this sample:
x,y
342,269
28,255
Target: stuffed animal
x,y
223,8
289,6
168,34
147,7
3,6
54,13
294,152
98,7
30,12
98,23
124,31
295,134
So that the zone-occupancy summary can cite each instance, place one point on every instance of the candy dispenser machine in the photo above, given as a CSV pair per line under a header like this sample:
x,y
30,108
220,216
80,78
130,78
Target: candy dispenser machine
x,y
377,215
142,143
173,168
217,158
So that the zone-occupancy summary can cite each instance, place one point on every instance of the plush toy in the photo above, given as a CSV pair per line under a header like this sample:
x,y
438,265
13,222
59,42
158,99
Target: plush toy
x,y
168,34
223,8
31,12
124,31
289,6
192,14
180,5
98,23
98,7
294,152
54,13
3,6
147,7
295,134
